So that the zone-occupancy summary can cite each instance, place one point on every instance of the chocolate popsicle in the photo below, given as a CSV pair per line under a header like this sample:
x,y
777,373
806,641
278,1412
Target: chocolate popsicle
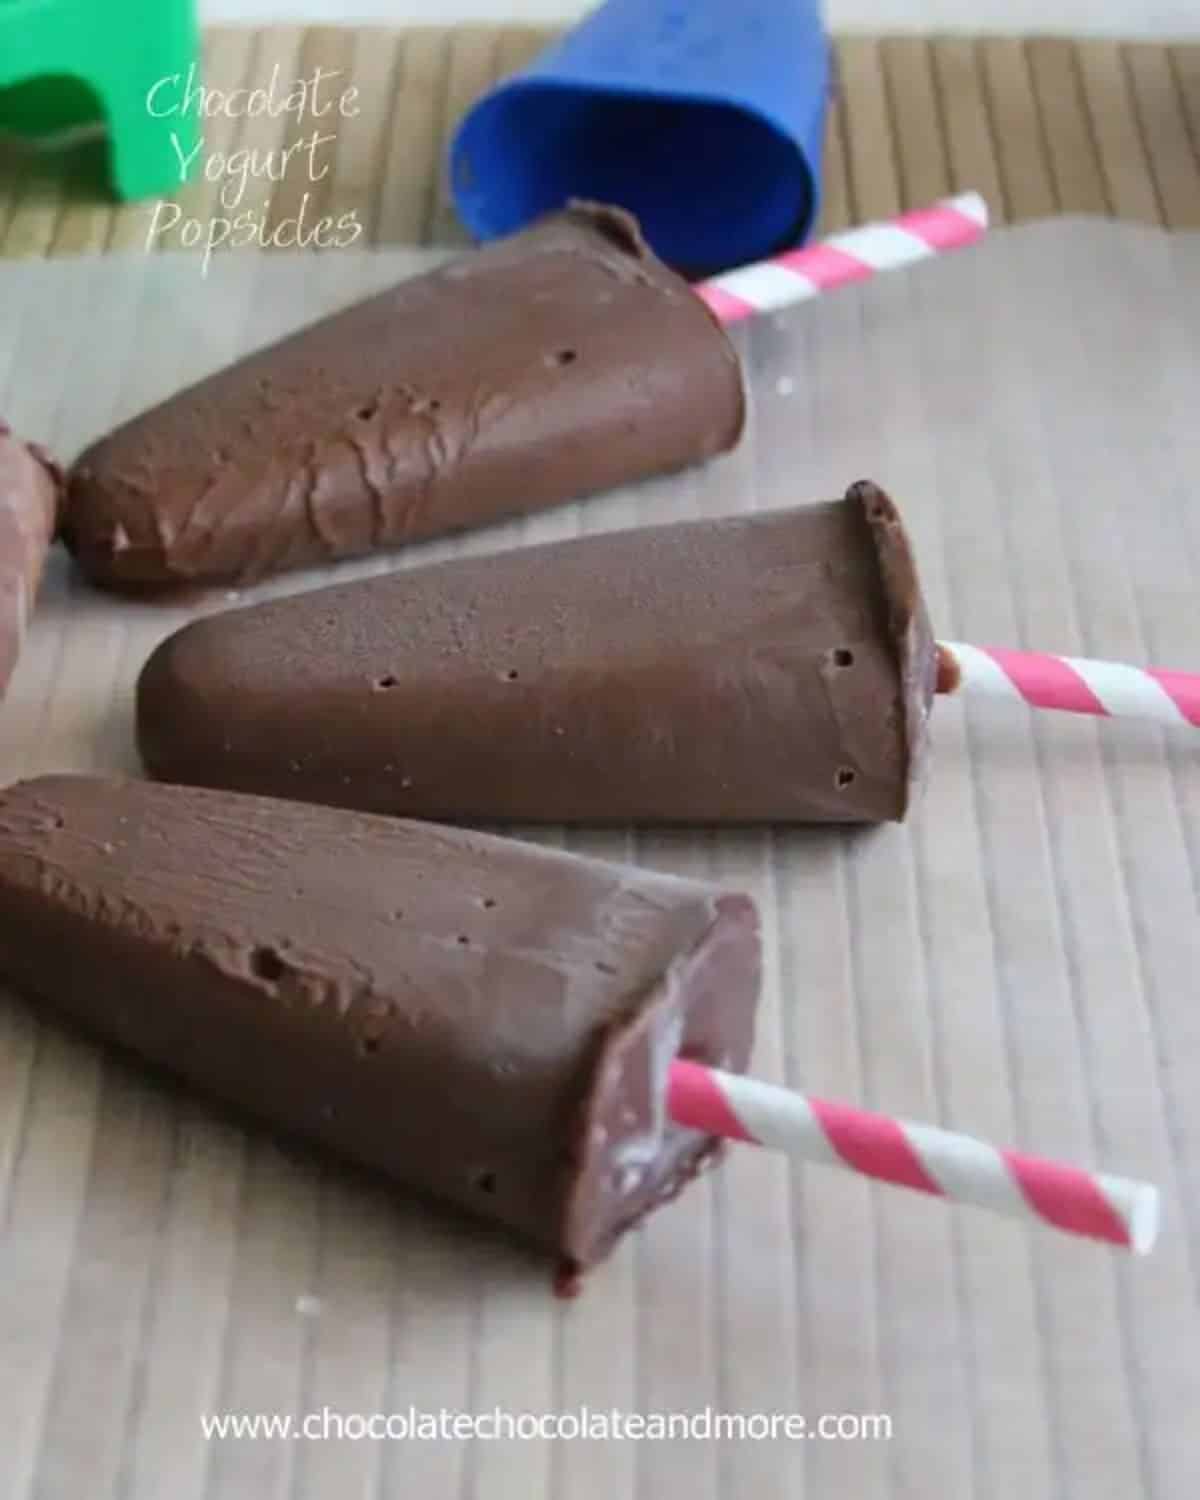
x,y
485,1021
564,360
30,487
767,667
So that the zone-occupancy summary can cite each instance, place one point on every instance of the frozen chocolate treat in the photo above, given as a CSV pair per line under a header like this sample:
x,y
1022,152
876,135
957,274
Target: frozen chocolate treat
x,y
564,360
767,667
485,1021
30,485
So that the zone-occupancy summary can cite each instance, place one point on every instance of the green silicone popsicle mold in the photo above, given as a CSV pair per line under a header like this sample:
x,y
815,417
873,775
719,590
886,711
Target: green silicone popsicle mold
x,y
70,63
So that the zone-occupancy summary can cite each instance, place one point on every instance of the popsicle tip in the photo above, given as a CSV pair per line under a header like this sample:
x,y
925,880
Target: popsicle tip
x,y
568,1280
949,670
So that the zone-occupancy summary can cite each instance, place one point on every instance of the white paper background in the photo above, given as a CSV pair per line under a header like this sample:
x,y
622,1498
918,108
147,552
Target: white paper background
x,y
1019,961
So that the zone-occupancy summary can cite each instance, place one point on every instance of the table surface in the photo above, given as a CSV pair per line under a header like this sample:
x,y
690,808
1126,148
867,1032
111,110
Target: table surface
x,y
1038,126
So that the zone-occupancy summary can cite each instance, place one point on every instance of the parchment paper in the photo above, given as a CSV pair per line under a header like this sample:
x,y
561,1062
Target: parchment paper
x,y
1021,961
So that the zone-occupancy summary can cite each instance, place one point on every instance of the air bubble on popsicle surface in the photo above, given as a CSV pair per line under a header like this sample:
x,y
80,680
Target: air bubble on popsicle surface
x,y
949,670
843,778
267,965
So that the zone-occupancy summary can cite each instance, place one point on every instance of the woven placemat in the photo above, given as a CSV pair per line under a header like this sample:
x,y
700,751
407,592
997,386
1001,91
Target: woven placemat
x,y
1038,126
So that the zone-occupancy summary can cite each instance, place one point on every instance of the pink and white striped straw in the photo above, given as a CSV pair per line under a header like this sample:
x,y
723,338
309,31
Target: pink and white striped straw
x,y
1074,684
856,255
941,1162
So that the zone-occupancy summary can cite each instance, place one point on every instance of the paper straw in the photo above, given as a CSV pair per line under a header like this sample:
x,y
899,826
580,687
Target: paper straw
x,y
857,255
1074,684
951,1166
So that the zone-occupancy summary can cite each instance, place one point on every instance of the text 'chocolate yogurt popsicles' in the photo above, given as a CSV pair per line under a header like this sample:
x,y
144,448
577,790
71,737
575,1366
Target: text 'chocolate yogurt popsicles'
x,y
768,667
485,1021
564,360
30,487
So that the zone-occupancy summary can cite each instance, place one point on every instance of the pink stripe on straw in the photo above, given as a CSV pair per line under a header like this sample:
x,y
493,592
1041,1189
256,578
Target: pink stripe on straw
x,y
1183,688
825,266
725,306
695,1100
873,1144
1046,681
1066,1197
941,226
